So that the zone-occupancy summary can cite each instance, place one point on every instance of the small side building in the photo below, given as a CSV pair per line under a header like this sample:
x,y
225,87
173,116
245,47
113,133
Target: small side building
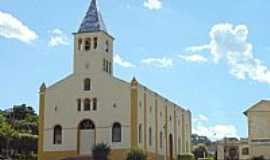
x,y
233,149
258,117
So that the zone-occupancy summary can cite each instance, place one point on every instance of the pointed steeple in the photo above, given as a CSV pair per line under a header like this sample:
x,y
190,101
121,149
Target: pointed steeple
x,y
93,21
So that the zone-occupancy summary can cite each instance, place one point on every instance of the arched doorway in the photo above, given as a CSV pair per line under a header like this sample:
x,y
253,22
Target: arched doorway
x,y
171,146
86,137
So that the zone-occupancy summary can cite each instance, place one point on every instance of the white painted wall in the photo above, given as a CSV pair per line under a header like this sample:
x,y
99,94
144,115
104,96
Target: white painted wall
x,y
64,95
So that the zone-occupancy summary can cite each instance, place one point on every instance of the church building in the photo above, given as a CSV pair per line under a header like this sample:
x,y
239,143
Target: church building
x,y
92,106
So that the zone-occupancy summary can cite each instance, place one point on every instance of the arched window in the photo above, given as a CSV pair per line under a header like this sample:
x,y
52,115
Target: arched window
x,y
87,104
107,46
110,67
150,136
79,105
95,42
95,104
245,151
116,132
140,133
57,135
179,145
104,64
87,44
80,45
160,140
87,84
87,124
107,66
171,146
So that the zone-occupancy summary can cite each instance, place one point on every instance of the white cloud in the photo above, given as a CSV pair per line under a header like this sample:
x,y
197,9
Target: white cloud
x,y
57,38
197,48
159,62
200,117
214,132
122,62
153,4
193,58
230,43
12,27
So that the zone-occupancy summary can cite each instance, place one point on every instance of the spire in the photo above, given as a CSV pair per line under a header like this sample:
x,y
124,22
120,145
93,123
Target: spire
x,y
42,87
134,82
92,21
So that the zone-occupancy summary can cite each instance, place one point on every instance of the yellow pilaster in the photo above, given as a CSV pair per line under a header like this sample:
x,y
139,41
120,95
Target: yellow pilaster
x,y
157,129
42,93
166,130
183,134
175,132
190,131
180,131
145,122
134,112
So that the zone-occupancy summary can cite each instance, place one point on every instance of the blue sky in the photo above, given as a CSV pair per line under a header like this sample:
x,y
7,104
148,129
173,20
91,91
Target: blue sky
x,y
212,57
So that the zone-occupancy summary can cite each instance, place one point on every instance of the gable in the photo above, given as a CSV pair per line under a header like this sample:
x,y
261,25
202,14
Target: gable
x,y
263,105
60,82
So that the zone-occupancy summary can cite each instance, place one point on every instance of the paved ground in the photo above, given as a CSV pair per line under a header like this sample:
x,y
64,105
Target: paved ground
x,y
79,158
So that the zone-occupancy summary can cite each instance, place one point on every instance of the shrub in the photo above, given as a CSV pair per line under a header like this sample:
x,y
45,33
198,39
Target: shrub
x,y
101,151
136,154
258,158
200,151
185,157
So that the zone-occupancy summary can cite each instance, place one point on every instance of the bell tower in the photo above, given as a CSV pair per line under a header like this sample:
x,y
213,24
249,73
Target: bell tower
x,y
93,45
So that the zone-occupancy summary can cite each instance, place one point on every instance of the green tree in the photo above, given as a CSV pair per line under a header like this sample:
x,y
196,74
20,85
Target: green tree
x,y
18,132
2,118
8,133
24,144
20,112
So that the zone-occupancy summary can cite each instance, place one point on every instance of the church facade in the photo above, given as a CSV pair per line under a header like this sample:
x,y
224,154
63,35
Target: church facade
x,y
92,106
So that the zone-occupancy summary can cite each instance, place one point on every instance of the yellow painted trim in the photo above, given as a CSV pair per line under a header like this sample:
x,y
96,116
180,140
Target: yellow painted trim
x,y
53,155
134,112
41,121
145,122
166,130
151,156
78,140
118,154
190,131
180,132
175,133
183,134
157,129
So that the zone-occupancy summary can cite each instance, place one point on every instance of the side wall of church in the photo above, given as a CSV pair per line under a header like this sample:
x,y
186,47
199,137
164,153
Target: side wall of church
x,y
158,119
